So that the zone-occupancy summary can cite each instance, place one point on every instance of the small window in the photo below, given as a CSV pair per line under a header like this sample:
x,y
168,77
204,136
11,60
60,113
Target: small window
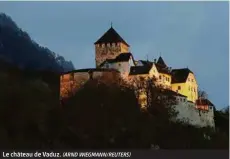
x,y
159,77
192,80
189,88
179,87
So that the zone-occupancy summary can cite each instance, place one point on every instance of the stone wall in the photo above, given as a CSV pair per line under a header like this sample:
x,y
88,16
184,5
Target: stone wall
x,y
188,113
108,51
71,82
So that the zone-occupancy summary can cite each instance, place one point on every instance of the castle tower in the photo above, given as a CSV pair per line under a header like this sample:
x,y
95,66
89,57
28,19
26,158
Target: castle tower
x,y
109,46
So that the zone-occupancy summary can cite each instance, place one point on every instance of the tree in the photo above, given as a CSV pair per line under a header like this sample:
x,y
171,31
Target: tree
x,y
202,94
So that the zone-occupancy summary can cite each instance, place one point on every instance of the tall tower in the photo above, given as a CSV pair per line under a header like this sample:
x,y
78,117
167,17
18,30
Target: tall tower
x,y
109,46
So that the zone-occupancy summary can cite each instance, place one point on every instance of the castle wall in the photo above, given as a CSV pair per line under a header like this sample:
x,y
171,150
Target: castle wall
x,y
164,80
108,51
189,88
122,67
71,82
188,113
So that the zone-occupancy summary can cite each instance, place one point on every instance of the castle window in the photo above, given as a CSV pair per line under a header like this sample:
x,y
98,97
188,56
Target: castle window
x,y
160,77
179,87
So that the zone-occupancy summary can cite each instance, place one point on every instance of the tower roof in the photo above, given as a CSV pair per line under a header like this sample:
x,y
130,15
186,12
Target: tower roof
x,y
111,36
161,62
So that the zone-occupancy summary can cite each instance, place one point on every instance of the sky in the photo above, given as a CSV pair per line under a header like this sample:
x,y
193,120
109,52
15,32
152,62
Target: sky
x,y
186,34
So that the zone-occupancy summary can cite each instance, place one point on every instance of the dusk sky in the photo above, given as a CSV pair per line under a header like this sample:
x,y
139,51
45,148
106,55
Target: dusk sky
x,y
188,34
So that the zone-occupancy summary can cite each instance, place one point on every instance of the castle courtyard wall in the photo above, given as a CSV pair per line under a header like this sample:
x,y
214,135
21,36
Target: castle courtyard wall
x,y
188,113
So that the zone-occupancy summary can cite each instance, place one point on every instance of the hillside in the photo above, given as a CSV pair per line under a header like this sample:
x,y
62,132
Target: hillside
x,y
17,48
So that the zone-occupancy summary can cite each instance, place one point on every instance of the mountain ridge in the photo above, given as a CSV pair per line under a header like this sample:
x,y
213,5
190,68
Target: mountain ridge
x,y
17,48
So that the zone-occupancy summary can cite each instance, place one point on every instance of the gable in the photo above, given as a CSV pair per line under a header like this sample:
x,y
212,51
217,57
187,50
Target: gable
x,y
153,71
131,61
191,78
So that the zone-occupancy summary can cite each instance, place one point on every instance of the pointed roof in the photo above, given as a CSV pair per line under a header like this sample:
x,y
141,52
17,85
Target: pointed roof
x,y
162,67
111,36
161,62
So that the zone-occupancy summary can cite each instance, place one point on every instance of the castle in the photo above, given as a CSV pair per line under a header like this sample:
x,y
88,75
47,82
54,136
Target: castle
x,y
113,56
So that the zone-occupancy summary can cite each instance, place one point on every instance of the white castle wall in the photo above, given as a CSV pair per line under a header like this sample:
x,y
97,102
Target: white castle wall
x,y
188,113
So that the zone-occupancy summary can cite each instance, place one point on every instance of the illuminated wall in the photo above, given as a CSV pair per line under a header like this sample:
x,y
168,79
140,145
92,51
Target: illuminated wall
x,y
109,51
188,88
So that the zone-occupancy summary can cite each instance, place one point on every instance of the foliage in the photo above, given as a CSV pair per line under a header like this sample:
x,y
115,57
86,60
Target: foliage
x,y
17,48
98,116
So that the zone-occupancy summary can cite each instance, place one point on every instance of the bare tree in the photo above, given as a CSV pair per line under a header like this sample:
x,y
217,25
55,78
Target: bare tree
x,y
202,94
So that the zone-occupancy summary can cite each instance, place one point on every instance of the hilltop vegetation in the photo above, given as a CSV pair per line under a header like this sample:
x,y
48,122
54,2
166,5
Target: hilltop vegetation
x,y
98,116
17,48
